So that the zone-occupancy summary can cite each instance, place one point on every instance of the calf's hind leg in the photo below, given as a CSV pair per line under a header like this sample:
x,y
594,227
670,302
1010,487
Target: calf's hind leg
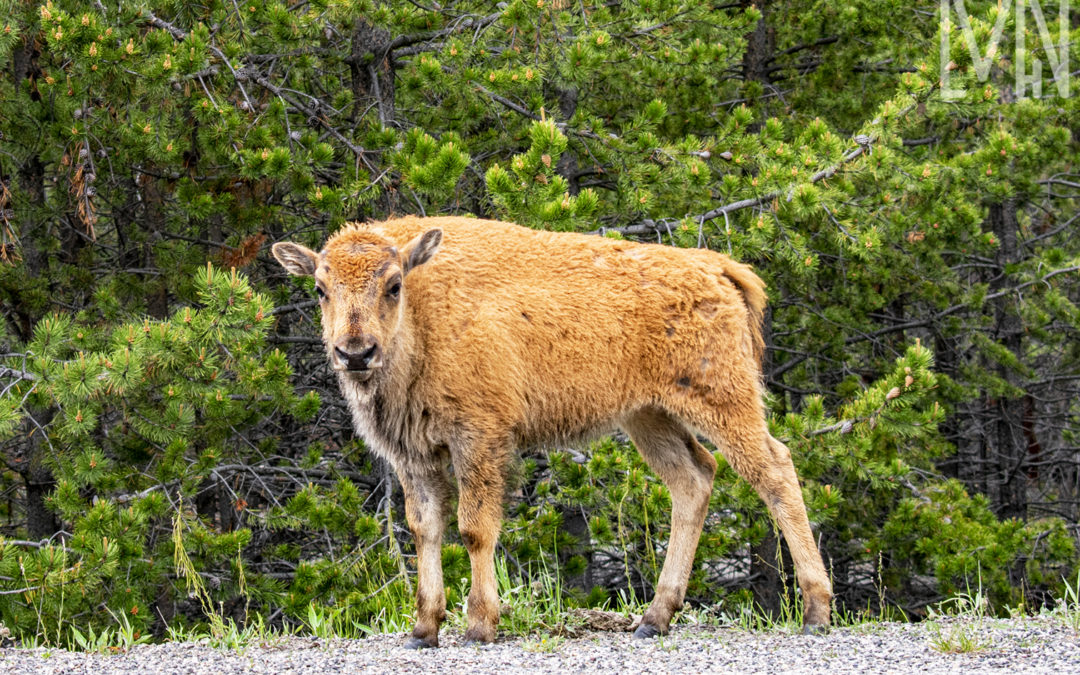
x,y
687,469
738,429
783,495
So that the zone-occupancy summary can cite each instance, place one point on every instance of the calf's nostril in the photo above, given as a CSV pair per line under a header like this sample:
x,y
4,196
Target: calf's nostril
x,y
360,359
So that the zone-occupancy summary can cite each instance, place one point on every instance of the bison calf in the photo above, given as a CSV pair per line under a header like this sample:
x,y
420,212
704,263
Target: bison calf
x,y
458,340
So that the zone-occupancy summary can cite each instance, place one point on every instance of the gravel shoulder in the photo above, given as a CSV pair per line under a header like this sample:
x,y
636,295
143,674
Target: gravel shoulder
x,y
1029,645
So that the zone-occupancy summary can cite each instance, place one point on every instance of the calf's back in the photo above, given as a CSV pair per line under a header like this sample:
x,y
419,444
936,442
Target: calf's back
x,y
558,335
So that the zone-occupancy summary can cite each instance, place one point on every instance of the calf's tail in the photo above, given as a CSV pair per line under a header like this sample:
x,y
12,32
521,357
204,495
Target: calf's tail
x,y
753,290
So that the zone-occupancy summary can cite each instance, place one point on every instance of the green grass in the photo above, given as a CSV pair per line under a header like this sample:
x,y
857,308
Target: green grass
x,y
227,635
1069,607
120,637
328,623
957,626
533,605
535,609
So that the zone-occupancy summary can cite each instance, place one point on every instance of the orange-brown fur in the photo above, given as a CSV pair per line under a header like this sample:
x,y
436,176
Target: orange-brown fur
x,y
503,337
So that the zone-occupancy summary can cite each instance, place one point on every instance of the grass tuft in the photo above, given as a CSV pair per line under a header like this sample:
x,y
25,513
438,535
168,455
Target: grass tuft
x,y
1069,607
958,625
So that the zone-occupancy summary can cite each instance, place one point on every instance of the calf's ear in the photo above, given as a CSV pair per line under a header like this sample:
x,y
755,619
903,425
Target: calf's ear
x,y
420,249
295,258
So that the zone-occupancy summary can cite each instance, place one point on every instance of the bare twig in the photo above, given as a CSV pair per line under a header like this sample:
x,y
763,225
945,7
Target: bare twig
x,y
18,374
295,307
466,22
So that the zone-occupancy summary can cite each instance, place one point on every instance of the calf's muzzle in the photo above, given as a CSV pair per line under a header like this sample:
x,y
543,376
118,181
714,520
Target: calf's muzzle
x,y
357,353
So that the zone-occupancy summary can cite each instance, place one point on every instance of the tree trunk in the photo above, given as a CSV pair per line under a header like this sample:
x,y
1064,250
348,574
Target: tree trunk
x,y
770,568
958,428
766,582
371,71
760,45
41,522
372,74
1006,434
575,524
568,161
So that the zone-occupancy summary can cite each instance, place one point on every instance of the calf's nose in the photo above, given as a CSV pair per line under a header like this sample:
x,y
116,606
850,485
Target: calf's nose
x,y
356,354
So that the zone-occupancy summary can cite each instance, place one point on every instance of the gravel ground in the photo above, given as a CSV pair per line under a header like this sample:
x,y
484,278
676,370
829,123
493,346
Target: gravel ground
x,y
1032,645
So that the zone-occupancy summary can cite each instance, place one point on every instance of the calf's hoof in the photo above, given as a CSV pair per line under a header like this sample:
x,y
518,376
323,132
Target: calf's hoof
x,y
815,629
646,631
420,643
475,637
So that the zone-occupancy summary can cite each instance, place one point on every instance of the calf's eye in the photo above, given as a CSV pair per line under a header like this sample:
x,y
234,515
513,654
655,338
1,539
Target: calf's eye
x,y
394,289
320,292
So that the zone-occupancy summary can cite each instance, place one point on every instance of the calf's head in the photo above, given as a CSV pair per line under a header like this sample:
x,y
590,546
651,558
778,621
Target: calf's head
x,y
360,278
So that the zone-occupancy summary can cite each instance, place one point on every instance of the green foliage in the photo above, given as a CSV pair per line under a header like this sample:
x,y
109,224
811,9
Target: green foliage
x,y
431,167
532,193
147,410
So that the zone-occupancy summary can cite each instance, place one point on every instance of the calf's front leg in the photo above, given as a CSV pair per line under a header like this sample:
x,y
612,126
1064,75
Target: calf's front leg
x,y
479,520
427,494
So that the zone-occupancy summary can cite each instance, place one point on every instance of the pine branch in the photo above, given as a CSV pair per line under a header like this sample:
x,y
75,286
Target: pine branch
x,y
809,45
1059,181
16,374
846,426
562,126
465,22
245,74
52,584
865,144
298,475
312,115
165,25
843,426
44,543
179,34
921,323
294,307
293,339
